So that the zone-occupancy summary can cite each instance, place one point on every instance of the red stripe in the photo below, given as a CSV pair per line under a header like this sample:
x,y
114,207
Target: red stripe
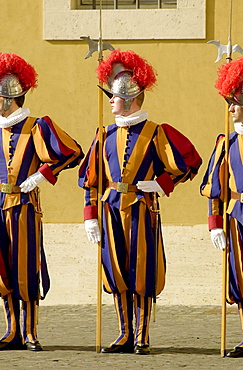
x,y
90,212
183,145
47,173
215,221
166,183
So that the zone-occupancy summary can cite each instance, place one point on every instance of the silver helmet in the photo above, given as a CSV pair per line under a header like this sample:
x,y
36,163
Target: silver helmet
x,y
121,84
10,88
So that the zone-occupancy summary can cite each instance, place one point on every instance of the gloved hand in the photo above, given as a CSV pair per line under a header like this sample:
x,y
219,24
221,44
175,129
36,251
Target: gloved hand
x,y
149,186
31,182
218,238
92,230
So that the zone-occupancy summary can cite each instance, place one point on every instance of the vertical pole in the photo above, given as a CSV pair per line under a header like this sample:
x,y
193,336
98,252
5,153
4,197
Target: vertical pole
x,y
99,259
155,225
225,227
100,177
225,205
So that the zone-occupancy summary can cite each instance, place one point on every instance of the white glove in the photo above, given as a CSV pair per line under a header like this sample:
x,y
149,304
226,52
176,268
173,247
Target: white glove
x,y
149,186
218,238
31,182
92,230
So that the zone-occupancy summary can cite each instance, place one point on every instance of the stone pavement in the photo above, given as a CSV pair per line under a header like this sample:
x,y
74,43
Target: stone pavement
x,y
182,337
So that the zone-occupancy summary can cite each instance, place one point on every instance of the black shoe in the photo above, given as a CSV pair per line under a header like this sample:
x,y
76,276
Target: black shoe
x,y
236,352
5,346
34,346
116,348
142,350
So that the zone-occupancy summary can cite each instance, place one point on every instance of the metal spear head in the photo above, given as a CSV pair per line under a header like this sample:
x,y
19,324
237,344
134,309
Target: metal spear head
x,y
228,49
95,46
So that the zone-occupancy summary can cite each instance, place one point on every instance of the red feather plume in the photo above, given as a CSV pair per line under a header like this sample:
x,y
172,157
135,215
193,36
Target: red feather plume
x,y
16,65
230,77
143,73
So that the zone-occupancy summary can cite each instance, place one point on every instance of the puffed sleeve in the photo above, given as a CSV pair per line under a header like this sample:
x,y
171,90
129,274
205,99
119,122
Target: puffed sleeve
x,y
88,180
55,148
212,185
179,156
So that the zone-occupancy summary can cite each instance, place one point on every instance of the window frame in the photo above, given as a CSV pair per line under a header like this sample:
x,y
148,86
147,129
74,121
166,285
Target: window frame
x,y
62,21
112,3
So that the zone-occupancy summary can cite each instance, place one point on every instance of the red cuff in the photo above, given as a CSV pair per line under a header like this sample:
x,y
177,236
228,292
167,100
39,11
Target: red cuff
x,y
47,173
215,221
90,212
165,183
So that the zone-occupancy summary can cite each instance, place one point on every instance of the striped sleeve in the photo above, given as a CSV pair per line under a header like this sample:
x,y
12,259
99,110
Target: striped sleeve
x,y
88,180
212,185
180,158
55,148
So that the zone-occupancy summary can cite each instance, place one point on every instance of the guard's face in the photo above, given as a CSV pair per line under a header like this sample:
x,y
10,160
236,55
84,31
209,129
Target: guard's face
x,y
236,112
117,105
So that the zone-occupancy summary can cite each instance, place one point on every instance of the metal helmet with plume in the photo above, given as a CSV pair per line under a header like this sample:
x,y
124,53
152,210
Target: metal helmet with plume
x,y
126,74
230,81
16,77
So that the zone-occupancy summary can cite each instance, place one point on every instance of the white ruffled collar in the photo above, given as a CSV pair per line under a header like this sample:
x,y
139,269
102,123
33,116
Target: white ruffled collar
x,y
132,119
17,116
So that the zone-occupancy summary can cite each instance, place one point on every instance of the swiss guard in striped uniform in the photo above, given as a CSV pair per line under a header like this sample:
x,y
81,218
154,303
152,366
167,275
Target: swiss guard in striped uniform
x,y
230,86
31,150
140,158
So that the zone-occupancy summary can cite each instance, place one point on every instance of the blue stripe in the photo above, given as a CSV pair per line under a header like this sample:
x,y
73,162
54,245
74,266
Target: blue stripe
x,y
31,263
236,162
3,166
12,315
15,267
119,241
111,154
233,279
150,262
133,250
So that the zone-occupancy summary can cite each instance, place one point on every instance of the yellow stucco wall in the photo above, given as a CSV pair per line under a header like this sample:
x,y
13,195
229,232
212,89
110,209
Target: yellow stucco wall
x,y
184,97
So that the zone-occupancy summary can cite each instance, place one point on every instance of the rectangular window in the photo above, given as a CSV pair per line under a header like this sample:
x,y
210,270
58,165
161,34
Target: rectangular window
x,y
129,20
127,4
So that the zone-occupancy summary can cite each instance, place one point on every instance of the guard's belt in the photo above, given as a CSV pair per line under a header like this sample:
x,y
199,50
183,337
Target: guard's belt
x,y
122,187
9,188
237,196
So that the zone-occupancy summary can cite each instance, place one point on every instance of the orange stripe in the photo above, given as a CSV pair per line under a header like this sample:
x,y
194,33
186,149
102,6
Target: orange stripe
x,y
6,137
12,318
208,187
125,317
23,139
113,256
29,319
139,150
148,319
121,143
40,146
144,320
140,317
126,225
